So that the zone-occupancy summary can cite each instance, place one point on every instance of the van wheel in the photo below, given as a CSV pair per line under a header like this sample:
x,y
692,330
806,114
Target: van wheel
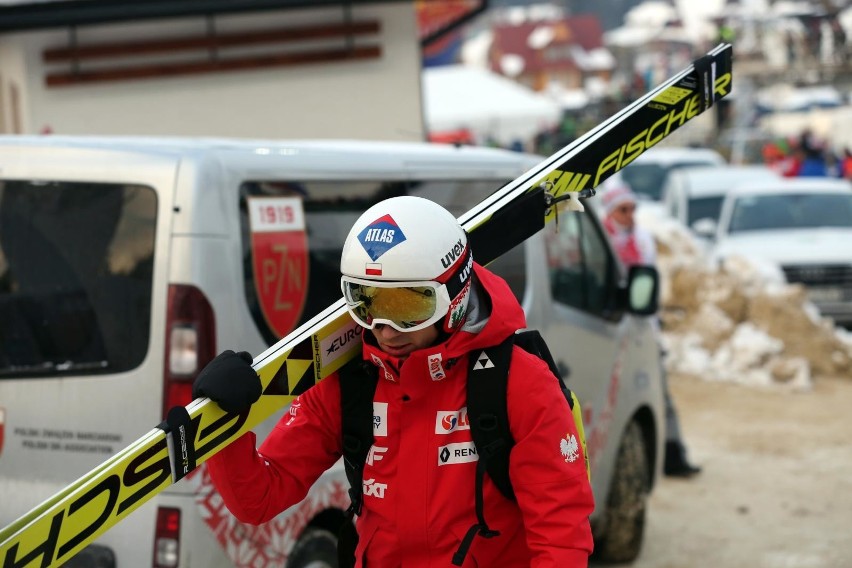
x,y
316,548
623,525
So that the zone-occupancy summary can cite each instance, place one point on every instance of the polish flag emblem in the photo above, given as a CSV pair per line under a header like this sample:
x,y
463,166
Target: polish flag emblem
x,y
373,269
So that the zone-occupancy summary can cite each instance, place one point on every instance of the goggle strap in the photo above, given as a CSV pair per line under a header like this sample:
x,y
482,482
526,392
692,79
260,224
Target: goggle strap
x,y
456,283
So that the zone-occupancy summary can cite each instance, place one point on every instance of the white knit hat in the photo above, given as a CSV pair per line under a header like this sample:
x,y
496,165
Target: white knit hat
x,y
616,192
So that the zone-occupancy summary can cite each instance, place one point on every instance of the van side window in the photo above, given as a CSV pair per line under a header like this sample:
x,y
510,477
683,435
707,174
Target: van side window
x,y
76,266
298,276
582,268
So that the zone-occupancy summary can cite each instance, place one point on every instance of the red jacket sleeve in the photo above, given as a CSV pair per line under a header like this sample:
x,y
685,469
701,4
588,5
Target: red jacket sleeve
x,y
547,467
258,484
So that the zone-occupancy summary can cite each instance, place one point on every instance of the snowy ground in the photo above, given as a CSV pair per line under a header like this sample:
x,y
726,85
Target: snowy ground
x,y
774,490
741,322
763,388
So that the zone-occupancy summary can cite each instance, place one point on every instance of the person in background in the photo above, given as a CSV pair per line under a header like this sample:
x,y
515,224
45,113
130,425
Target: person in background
x,y
846,164
813,156
635,246
424,307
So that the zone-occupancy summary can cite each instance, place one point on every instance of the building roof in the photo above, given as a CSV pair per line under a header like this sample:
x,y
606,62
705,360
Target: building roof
x,y
568,43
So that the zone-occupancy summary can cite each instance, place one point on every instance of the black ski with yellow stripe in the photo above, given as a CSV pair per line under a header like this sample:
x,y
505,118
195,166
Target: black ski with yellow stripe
x,y
58,528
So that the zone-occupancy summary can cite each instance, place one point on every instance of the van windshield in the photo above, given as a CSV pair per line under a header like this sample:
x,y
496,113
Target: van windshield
x,y
294,273
76,262
786,211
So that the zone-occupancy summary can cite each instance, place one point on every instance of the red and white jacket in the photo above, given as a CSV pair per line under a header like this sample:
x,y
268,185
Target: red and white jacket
x,y
419,478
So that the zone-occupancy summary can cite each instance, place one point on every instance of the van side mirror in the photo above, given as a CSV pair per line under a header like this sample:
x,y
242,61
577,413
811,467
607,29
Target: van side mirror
x,y
643,284
705,227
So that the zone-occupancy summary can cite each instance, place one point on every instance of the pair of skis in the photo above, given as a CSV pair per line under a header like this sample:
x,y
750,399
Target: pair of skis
x,y
55,530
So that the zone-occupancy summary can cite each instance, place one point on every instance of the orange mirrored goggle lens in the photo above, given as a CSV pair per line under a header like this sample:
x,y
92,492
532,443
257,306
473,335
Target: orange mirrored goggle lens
x,y
404,307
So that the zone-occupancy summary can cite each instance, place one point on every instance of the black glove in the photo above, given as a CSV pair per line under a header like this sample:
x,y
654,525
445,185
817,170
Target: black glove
x,y
230,381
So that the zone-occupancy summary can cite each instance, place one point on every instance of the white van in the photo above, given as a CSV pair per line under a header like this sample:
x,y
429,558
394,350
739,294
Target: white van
x,y
126,264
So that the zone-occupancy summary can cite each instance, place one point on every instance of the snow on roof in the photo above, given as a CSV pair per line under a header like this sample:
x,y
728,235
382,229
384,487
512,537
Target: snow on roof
x,y
667,155
460,96
718,180
546,44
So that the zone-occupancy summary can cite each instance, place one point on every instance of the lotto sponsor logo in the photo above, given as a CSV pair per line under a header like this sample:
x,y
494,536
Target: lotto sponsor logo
x,y
451,421
436,369
380,419
463,452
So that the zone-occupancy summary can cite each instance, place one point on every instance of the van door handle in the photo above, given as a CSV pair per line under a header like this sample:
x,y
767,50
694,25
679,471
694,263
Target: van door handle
x,y
564,370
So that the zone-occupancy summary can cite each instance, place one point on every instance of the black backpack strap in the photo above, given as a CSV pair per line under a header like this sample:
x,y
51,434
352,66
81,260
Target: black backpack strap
x,y
357,388
531,341
487,382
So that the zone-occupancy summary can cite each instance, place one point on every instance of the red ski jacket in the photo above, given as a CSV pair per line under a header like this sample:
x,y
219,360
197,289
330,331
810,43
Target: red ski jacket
x,y
419,488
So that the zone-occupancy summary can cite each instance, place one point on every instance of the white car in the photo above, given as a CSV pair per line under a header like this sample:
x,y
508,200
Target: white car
x,y
649,172
802,224
693,195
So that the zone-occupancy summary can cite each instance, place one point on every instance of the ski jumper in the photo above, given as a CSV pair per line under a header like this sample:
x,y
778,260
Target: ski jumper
x,y
419,479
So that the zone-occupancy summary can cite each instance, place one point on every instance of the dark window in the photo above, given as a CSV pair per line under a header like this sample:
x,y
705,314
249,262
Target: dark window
x,y
582,268
704,208
283,295
647,180
76,263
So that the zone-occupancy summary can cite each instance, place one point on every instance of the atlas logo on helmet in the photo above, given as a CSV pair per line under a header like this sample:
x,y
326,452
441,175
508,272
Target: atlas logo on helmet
x,y
380,236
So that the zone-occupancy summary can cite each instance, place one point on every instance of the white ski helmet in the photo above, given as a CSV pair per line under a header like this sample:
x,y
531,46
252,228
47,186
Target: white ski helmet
x,y
406,263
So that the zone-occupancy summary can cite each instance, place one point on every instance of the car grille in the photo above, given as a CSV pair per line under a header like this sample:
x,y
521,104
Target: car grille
x,y
820,274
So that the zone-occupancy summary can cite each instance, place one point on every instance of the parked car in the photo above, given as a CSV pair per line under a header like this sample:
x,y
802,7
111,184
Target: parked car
x,y
126,264
693,195
648,174
802,224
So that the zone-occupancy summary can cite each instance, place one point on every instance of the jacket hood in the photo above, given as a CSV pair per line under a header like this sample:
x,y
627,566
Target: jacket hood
x,y
493,314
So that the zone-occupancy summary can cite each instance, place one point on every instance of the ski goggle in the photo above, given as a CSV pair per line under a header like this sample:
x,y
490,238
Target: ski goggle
x,y
405,306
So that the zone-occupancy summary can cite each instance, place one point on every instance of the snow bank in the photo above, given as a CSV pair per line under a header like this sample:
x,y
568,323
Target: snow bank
x,y
740,322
